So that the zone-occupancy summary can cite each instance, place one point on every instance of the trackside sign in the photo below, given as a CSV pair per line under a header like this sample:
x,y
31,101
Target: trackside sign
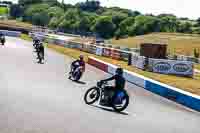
x,y
182,68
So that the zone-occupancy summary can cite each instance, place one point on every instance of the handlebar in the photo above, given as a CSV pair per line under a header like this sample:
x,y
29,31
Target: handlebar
x,y
100,83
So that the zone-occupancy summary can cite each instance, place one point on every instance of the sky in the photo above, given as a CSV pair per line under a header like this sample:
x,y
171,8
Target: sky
x,y
180,8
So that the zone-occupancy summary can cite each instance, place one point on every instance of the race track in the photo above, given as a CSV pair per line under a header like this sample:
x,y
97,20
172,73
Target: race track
x,y
37,98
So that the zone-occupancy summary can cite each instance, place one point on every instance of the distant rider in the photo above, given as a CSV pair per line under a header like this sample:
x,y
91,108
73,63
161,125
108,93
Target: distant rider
x,y
40,52
75,64
2,37
36,42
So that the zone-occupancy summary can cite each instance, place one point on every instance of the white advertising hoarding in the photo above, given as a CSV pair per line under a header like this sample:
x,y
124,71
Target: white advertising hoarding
x,y
138,61
184,68
99,51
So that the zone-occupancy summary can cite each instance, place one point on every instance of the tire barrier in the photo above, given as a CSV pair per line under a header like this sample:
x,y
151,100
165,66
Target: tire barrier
x,y
174,94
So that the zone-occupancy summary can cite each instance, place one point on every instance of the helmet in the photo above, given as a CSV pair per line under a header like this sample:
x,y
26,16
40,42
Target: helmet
x,y
81,57
119,71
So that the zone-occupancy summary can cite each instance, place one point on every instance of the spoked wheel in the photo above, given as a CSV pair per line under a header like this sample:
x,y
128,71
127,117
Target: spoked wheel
x,y
120,104
92,95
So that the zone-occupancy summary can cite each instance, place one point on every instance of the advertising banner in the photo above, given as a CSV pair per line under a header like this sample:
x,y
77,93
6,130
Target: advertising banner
x,y
138,61
93,49
182,68
99,51
107,52
86,47
124,55
115,54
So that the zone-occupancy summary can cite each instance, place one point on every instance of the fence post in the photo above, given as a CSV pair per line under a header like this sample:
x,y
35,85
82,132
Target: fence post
x,y
129,59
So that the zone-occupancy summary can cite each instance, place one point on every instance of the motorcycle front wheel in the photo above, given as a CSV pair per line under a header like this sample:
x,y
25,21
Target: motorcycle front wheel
x,y
77,76
92,95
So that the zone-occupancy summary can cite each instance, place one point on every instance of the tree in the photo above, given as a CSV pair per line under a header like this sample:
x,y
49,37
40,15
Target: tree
x,y
84,24
117,18
185,27
91,6
16,11
144,24
196,53
53,23
124,26
104,26
69,22
29,2
198,21
41,19
168,24
7,2
65,26
55,11
35,9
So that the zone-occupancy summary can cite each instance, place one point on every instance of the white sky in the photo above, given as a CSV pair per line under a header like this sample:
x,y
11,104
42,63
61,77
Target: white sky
x,y
180,8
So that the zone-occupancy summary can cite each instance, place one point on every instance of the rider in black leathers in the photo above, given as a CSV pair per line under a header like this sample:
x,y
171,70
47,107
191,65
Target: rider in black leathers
x,y
119,83
119,79
2,38
40,52
80,62
36,42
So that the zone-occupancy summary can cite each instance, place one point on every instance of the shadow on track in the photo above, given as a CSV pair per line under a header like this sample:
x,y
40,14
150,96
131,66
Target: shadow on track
x,y
110,110
79,82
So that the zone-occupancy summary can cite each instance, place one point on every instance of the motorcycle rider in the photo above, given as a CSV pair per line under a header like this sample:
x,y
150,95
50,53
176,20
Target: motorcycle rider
x,y
75,64
36,42
2,37
40,52
113,90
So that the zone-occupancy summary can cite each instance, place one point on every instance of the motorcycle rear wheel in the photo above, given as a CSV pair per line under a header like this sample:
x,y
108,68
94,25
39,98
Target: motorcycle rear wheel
x,y
120,108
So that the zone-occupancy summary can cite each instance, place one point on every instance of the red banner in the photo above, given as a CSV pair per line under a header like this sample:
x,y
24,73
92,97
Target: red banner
x,y
115,54
107,52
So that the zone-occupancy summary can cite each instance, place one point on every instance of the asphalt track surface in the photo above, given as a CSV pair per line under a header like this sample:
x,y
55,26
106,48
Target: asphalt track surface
x,y
37,98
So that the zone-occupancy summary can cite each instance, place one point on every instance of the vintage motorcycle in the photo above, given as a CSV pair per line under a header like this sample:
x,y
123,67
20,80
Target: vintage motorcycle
x,y
2,39
76,74
118,100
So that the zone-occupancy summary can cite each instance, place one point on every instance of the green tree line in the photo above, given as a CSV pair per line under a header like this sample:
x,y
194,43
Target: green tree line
x,y
90,17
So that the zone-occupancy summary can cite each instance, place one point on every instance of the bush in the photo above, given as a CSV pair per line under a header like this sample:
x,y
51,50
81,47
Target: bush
x,y
196,53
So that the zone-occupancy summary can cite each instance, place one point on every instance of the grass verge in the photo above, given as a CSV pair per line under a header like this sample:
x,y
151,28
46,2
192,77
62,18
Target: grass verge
x,y
14,23
177,43
3,10
197,66
187,84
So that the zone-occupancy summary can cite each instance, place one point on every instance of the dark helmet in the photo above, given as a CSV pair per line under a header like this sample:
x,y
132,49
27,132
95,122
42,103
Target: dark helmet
x,y
119,71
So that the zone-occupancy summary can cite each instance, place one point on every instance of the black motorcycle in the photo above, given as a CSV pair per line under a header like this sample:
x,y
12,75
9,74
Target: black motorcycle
x,y
76,74
2,39
40,57
36,46
117,100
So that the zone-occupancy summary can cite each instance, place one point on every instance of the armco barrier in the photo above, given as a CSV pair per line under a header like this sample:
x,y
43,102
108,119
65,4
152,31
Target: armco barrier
x,y
182,97
11,33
